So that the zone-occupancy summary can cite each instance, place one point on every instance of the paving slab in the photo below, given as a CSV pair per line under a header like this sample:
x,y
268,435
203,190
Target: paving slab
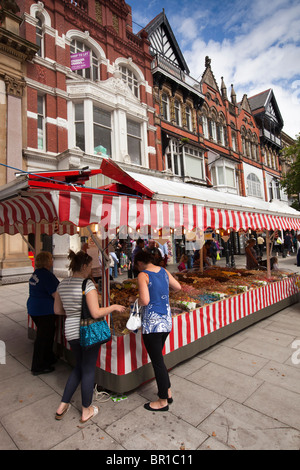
x,y
264,349
234,359
89,437
242,428
34,427
155,431
192,402
282,375
277,402
226,382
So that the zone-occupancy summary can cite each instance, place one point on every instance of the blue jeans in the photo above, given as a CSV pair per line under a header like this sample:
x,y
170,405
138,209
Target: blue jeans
x,y
83,372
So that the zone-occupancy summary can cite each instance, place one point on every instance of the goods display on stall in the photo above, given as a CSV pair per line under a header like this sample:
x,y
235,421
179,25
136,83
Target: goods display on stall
x,y
212,304
197,290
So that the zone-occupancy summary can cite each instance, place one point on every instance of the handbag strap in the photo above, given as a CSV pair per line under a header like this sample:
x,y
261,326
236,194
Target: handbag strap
x,y
85,314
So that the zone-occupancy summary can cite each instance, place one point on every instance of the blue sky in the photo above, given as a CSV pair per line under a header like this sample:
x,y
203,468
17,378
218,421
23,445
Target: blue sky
x,y
253,44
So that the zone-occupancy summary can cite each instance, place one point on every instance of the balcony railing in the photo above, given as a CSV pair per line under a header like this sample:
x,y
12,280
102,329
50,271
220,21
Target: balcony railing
x,y
270,136
171,68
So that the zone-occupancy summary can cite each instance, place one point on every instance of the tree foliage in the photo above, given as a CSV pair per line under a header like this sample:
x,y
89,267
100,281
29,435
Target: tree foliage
x,y
291,181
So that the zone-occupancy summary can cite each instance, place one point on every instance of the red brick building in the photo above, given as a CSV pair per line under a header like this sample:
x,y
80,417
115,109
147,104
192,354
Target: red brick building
x,y
77,116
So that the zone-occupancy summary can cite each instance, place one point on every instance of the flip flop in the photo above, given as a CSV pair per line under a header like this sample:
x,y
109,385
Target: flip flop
x,y
95,412
61,415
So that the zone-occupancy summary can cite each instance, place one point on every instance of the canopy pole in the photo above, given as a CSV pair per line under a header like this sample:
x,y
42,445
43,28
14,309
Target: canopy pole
x,y
105,285
38,242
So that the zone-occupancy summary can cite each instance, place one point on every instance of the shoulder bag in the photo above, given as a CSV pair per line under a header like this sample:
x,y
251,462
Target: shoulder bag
x,y
92,331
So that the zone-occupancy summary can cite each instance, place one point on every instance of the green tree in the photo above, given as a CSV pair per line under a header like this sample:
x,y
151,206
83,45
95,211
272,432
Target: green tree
x,y
291,181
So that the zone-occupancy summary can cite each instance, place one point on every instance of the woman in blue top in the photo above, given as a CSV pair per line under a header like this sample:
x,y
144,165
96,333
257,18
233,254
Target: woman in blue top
x,y
40,306
154,283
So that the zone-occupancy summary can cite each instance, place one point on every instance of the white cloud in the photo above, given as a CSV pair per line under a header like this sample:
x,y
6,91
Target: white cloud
x,y
265,54
254,45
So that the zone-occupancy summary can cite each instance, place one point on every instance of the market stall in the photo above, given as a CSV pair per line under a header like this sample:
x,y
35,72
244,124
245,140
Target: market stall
x,y
133,203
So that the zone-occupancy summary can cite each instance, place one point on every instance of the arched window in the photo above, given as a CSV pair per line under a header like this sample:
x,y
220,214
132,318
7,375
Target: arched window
x,y
188,117
130,79
205,127
39,34
177,111
234,140
165,105
254,186
91,73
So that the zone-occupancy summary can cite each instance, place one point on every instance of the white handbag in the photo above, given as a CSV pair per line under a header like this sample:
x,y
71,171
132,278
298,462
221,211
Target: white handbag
x,y
134,321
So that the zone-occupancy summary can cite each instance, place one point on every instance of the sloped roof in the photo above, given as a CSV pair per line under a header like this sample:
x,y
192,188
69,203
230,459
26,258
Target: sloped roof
x,y
264,100
161,21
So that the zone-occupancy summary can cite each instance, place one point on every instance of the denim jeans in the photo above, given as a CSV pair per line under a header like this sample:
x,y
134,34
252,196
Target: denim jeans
x,y
83,372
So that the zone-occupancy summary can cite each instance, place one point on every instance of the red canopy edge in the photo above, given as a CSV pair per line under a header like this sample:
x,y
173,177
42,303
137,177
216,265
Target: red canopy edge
x,y
61,212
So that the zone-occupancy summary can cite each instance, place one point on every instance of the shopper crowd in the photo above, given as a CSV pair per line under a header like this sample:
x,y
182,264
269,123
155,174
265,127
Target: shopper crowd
x,y
146,261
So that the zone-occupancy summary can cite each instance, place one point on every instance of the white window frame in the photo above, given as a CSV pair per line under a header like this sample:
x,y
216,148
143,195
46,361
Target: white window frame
x,y
79,45
41,117
195,154
188,117
174,158
177,112
205,127
135,138
107,128
214,130
165,105
222,167
254,188
40,33
131,80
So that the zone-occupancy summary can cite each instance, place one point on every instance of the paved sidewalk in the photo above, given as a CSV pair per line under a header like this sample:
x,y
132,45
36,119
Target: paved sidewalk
x,y
243,393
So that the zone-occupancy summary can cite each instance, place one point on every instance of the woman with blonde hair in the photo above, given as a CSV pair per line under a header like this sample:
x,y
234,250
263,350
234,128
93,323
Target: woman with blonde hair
x,y
40,306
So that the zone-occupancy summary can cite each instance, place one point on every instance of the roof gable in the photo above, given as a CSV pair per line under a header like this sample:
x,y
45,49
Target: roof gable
x,y
163,41
208,76
266,101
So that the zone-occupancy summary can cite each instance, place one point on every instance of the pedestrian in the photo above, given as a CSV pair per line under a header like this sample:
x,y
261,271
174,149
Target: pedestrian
x,y
298,253
260,243
154,283
251,256
183,263
40,306
287,244
207,253
139,246
94,253
68,301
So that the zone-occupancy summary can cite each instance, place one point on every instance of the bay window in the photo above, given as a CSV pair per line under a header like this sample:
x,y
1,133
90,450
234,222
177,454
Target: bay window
x,y
224,175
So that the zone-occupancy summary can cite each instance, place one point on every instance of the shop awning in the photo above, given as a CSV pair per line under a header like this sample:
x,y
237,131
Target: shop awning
x,y
61,206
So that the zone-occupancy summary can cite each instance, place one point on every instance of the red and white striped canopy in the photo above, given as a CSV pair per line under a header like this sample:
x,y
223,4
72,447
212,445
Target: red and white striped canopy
x,y
62,211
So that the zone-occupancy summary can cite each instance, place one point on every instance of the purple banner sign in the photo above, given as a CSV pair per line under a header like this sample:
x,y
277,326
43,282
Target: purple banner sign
x,y
80,60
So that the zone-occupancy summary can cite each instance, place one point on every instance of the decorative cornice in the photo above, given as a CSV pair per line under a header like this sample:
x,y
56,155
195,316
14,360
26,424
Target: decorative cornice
x,y
16,46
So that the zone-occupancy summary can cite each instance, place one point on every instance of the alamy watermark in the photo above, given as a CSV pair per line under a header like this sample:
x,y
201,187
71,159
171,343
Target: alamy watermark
x,y
296,355
2,352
